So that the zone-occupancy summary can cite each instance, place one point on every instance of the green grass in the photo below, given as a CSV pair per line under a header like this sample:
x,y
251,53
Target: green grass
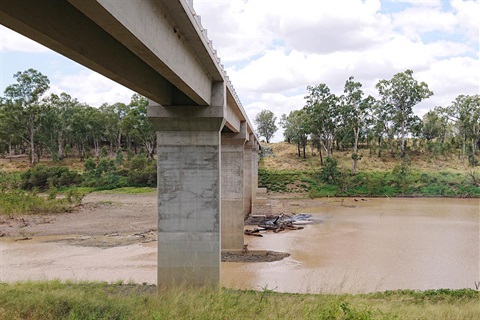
x,y
67,300
371,183
130,190
20,202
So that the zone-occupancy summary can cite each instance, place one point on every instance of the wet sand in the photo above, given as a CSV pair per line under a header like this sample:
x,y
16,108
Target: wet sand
x,y
358,246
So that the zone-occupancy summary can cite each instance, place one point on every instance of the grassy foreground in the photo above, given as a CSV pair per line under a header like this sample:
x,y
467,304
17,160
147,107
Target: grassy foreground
x,y
67,300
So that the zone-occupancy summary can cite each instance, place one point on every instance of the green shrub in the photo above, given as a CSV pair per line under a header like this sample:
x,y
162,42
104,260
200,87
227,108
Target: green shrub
x,y
119,157
329,172
104,152
42,177
20,202
90,165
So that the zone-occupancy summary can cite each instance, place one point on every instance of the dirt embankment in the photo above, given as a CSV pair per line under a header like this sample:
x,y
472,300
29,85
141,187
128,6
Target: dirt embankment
x,y
103,220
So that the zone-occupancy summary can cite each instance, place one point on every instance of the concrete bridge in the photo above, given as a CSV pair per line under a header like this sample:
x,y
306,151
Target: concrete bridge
x,y
207,148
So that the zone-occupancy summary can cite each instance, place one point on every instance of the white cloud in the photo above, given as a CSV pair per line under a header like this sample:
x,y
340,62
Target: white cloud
x,y
244,29
279,104
12,41
280,47
414,22
468,13
91,88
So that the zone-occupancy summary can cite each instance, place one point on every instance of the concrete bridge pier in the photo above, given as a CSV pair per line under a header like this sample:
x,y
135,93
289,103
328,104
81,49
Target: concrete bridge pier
x,y
189,168
233,180
249,158
255,160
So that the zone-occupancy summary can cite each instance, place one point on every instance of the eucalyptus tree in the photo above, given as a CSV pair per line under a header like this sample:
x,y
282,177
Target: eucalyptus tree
x,y
112,121
355,111
384,126
59,116
86,129
323,112
94,125
465,111
137,125
266,126
296,129
433,125
399,95
9,130
446,127
24,105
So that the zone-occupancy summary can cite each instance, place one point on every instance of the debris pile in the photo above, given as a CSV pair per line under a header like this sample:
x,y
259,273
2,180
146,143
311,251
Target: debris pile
x,y
277,223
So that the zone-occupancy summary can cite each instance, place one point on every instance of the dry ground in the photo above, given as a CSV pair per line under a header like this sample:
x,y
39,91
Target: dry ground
x,y
102,220
111,220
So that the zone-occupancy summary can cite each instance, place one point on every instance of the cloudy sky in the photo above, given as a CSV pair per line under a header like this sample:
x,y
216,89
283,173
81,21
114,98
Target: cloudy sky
x,y
273,49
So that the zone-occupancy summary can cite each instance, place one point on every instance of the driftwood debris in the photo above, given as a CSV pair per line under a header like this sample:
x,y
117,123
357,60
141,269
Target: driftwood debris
x,y
277,223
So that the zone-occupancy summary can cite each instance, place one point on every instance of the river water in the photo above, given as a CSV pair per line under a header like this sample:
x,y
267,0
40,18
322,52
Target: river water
x,y
371,245
354,246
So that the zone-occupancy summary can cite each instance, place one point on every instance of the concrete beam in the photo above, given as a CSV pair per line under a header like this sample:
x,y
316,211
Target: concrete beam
x,y
61,27
156,32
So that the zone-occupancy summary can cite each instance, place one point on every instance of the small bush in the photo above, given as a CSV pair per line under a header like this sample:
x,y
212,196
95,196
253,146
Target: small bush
x,y
329,172
42,177
21,202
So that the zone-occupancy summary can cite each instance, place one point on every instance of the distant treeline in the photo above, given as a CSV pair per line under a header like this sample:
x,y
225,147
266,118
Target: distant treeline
x,y
328,122
59,125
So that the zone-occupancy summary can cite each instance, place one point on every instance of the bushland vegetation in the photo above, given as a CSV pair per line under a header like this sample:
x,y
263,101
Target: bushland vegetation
x,y
354,145
59,126
421,173
345,144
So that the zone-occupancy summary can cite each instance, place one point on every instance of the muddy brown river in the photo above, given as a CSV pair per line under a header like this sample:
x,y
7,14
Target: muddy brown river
x,y
354,246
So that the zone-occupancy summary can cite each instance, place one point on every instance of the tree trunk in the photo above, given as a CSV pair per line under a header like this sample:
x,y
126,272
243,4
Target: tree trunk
x,y
402,141
39,150
392,147
355,149
10,150
380,146
320,153
96,147
32,149
119,140
474,146
60,147
150,149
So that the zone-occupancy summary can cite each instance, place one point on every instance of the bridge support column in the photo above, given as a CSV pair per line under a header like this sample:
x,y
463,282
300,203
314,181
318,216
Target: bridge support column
x,y
255,159
248,158
233,189
189,185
